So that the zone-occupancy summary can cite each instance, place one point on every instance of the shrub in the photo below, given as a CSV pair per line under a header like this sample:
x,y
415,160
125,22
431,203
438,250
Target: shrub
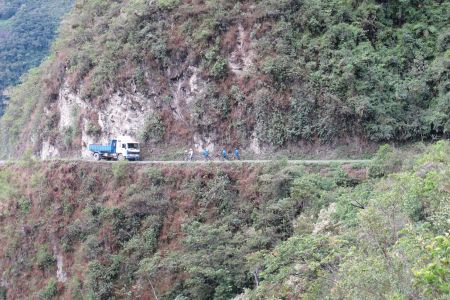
x,y
282,70
154,129
76,288
3,293
7,189
100,277
49,291
167,4
119,170
386,161
220,68
88,185
437,153
434,279
156,176
78,231
68,136
44,257
93,248
311,255
217,194
24,205
27,159
93,129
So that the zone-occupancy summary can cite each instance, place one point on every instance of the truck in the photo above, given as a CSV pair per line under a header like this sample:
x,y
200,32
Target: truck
x,y
117,149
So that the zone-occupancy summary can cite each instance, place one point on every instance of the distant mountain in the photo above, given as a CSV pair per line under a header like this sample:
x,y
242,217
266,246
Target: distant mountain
x,y
27,27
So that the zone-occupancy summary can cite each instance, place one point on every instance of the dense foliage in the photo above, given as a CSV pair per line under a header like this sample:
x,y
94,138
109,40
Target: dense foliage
x,y
213,232
312,70
26,31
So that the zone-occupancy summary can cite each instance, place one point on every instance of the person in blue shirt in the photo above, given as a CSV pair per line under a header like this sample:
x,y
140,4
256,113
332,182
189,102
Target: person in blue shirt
x,y
236,154
224,153
206,154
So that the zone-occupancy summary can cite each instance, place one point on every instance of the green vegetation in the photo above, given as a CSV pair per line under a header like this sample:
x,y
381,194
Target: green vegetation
x,y
167,3
213,232
49,291
7,188
119,170
26,30
25,99
320,71
44,258
435,277
93,129
154,129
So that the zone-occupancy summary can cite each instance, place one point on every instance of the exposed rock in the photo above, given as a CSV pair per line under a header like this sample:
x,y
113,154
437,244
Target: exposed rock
x,y
68,104
123,115
242,58
49,151
303,224
296,283
60,274
194,80
203,142
324,221
3,282
241,297
185,92
301,268
125,112
254,145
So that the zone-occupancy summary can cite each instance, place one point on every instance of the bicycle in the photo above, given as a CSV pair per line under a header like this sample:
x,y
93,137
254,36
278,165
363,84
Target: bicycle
x,y
207,158
187,157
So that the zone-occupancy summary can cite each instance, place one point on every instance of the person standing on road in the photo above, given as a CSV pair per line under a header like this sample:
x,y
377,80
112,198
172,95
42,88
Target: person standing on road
x,y
224,153
191,154
236,154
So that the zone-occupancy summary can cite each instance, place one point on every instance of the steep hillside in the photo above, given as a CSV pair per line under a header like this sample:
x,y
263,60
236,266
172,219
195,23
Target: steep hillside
x,y
127,231
26,31
260,74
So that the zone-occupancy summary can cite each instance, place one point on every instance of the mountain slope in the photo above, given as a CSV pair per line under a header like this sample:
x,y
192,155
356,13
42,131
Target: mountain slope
x,y
126,231
26,31
260,74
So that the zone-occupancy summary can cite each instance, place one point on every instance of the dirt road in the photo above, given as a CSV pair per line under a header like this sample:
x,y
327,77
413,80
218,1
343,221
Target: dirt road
x,y
195,162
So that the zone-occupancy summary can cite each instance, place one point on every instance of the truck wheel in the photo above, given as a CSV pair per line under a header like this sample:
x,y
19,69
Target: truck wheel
x,y
97,156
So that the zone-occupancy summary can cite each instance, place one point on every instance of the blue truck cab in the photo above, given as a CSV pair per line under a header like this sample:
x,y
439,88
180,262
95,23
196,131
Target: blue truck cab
x,y
117,149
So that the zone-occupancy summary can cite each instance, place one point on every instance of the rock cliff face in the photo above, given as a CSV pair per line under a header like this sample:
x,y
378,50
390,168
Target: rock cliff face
x,y
125,112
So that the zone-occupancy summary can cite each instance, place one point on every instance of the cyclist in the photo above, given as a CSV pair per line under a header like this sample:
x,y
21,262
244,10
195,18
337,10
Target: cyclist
x,y
236,154
206,154
224,153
